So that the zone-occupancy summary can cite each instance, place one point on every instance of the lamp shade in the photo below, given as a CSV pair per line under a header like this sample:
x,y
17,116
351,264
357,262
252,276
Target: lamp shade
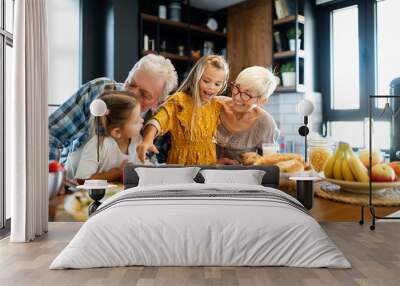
x,y
305,107
98,108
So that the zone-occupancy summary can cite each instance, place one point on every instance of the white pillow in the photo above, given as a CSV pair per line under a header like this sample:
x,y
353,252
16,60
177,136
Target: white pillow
x,y
166,176
249,177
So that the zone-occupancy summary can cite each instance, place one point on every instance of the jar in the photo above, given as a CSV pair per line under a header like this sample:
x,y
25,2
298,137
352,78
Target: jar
x,y
162,11
175,11
319,150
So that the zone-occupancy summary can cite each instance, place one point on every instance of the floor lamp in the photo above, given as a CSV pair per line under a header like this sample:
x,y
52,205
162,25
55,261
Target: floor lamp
x,y
305,108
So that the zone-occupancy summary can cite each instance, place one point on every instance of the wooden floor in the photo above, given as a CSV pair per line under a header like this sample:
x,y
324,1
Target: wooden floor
x,y
374,255
327,210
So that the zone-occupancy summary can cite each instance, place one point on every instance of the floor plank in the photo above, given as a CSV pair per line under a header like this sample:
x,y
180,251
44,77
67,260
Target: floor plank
x,y
375,257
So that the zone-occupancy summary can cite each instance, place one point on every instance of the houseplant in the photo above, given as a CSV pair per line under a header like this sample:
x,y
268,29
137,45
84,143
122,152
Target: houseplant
x,y
288,72
291,35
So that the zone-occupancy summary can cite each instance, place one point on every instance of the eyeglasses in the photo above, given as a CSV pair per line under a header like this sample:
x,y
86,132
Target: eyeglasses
x,y
132,87
243,95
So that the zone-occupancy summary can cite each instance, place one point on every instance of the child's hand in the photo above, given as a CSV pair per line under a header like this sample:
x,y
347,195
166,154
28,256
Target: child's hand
x,y
143,148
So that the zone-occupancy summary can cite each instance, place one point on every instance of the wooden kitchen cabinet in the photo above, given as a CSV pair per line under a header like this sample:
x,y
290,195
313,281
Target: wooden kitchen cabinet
x,y
249,35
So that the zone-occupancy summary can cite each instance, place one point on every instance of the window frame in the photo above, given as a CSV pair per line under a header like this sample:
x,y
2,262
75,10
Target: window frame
x,y
367,10
6,39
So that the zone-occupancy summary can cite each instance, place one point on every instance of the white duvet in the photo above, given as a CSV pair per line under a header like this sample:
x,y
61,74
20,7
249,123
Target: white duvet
x,y
188,231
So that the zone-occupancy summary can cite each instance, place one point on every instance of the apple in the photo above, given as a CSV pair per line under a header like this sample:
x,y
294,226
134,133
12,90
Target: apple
x,y
382,173
396,167
377,157
55,166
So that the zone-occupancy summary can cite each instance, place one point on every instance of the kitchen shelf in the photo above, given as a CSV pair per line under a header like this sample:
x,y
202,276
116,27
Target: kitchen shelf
x,y
288,54
289,19
170,36
171,56
282,54
177,24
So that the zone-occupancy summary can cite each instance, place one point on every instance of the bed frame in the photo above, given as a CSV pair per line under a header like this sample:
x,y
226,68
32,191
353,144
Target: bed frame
x,y
270,179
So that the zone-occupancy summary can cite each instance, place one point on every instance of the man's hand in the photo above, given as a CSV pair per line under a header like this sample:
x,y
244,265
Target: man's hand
x,y
143,148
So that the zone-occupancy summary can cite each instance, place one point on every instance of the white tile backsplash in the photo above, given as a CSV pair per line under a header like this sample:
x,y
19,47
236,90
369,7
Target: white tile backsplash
x,y
288,108
283,107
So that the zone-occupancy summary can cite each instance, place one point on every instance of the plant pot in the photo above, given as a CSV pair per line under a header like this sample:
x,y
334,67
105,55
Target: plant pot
x,y
289,79
292,44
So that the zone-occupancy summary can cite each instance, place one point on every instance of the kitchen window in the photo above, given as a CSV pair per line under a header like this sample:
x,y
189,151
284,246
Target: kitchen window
x,y
63,33
357,132
358,56
387,45
345,59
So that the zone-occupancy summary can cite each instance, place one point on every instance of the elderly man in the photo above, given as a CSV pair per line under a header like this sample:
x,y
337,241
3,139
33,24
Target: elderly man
x,y
151,79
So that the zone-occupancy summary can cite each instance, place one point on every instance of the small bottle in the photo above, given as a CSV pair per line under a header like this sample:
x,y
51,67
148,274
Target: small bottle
x,y
145,42
281,143
162,11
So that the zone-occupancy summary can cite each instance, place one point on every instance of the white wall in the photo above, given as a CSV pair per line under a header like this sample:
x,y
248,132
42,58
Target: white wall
x,y
63,29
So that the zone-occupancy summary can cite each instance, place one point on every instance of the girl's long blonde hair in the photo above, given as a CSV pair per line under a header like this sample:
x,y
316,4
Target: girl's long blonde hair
x,y
191,84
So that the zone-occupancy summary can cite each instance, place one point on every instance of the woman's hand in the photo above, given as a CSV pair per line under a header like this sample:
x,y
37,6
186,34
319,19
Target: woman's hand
x,y
143,148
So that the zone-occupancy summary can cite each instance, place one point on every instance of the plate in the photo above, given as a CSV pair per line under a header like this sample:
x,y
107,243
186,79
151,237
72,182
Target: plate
x,y
363,188
212,24
308,173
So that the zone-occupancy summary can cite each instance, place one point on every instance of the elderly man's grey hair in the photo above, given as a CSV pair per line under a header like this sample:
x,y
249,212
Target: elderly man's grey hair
x,y
159,66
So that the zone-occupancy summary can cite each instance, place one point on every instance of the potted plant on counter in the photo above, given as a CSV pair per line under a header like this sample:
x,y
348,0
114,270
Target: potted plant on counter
x,y
288,72
291,35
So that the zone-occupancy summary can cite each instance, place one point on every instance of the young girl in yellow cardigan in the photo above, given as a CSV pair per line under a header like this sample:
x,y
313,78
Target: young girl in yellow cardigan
x,y
191,115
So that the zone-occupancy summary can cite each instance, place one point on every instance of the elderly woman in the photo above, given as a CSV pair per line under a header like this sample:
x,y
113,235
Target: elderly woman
x,y
249,92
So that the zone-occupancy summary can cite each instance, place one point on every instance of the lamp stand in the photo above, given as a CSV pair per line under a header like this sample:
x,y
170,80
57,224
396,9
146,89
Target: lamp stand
x,y
303,131
96,195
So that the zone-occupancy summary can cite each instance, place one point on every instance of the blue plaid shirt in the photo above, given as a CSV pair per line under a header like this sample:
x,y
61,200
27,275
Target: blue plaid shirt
x,y
69,125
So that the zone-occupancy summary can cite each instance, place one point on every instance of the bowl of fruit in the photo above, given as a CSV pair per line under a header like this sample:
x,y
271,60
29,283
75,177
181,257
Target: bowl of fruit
x,y
350,172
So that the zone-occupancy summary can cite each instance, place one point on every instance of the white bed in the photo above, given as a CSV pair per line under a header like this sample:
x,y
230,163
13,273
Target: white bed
x,y
222,225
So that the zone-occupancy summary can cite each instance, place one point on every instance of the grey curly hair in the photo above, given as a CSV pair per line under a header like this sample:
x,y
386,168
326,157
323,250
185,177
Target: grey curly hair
x,y
160,66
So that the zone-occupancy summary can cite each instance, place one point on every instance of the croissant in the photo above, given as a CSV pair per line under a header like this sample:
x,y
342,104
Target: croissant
x,y
249,158
272,159
290,166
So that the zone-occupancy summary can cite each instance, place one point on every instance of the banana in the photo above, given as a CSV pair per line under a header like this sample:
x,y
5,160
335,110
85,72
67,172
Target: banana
x,y
328,167
347,174
358,169
329,164
337,168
